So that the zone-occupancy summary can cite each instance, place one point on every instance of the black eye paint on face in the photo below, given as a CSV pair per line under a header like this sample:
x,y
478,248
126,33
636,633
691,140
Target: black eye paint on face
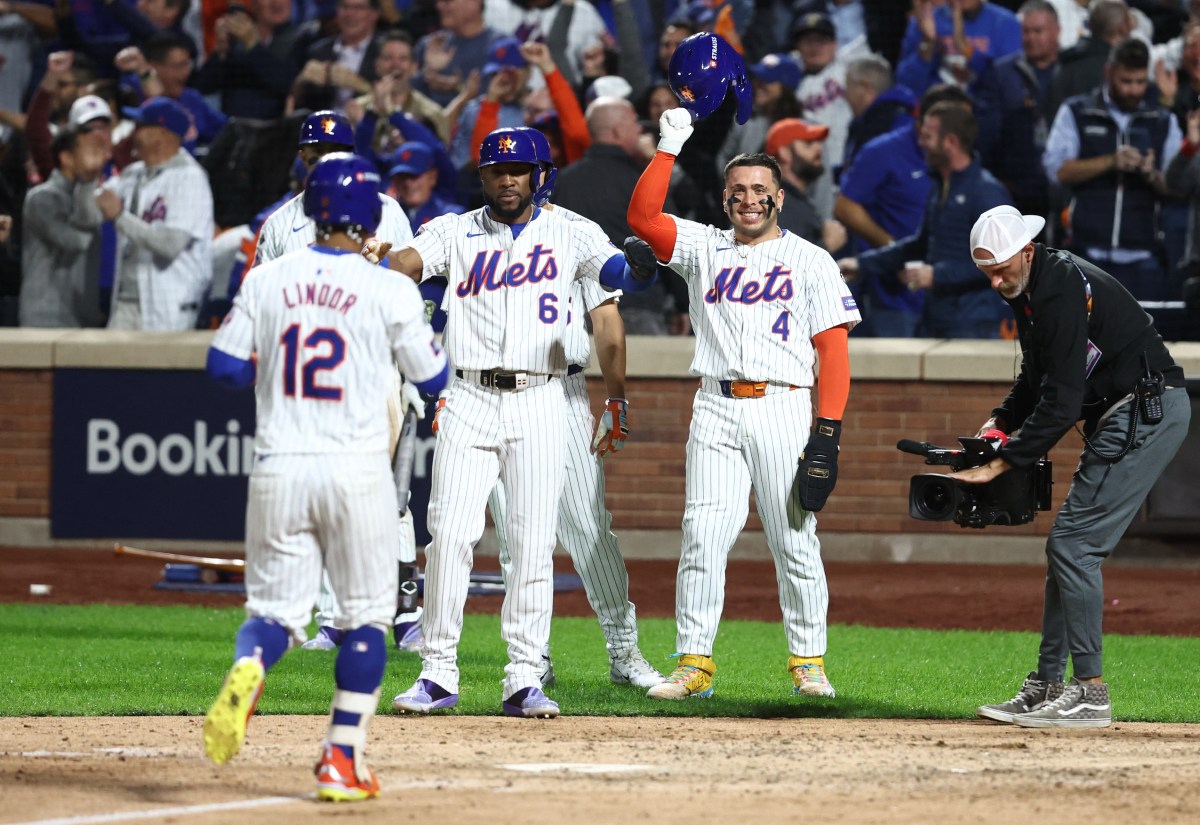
x,y
732,201
768,205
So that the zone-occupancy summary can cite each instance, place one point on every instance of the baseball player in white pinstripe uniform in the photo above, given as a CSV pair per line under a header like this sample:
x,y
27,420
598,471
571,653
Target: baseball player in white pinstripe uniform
x,y
584,523
287,229
764,305
510,268
328,330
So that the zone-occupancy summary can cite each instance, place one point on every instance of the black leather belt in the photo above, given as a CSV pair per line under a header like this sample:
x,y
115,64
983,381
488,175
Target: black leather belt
x,y
502,380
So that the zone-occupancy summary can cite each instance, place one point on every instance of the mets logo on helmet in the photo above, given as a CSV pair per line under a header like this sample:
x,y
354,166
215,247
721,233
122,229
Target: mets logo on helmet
x,y
506,144
687,95
328,124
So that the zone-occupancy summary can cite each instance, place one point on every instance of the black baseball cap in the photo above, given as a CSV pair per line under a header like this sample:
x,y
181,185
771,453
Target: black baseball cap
x,y
813,22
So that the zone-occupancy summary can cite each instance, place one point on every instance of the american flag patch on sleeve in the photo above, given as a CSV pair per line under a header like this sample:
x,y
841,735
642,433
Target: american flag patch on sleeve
x,y
848,303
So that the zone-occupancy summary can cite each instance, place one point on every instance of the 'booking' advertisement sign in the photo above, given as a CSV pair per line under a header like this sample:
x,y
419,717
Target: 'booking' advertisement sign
x,y
163,454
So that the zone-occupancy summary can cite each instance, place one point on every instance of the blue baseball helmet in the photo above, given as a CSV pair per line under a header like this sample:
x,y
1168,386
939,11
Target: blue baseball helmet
x,y
549,172
343,190
512,146
327,126
702,69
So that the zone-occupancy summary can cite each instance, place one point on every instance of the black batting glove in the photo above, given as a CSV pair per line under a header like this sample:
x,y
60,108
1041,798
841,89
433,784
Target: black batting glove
x,y
817,474
640,258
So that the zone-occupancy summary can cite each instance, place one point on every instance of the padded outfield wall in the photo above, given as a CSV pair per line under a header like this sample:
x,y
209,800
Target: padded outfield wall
x,y
110,435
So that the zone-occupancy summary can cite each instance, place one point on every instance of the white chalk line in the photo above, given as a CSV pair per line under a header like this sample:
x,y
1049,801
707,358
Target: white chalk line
x,y
159,813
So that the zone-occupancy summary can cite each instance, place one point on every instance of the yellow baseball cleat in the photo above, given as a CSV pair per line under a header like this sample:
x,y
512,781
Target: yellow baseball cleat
x,y
225,724
808,675
693,677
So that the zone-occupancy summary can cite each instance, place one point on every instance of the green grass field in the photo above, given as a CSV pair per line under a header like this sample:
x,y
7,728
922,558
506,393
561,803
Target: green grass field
x,y
106,661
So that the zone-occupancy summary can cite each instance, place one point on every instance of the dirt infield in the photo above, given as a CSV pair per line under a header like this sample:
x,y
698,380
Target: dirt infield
x,y
496,770
466,769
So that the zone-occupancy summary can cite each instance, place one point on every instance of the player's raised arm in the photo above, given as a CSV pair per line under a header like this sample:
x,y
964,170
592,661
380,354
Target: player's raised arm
x,y
645,214
407,261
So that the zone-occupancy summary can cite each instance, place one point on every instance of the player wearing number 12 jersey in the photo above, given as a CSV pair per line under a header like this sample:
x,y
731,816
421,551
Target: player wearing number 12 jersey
x,y
764,304
327,329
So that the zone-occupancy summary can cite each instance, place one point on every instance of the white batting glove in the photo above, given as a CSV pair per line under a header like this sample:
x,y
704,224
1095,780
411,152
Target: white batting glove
x,y
410,398
674,128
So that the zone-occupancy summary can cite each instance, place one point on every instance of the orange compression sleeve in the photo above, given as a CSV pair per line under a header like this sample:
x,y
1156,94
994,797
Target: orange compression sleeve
x,y
575,136
645,214
833,385
485,122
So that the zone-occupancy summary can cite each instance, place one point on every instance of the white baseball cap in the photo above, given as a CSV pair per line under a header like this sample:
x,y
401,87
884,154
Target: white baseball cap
x,y
610,85
1003,231
87,109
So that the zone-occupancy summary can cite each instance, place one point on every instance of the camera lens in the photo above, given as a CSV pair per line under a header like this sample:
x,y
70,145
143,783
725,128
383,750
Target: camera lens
x,y
932,497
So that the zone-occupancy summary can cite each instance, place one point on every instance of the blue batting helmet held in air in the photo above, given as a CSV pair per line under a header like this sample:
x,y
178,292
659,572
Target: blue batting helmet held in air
x,y
702,69
343,190
327,127
549,172
512,146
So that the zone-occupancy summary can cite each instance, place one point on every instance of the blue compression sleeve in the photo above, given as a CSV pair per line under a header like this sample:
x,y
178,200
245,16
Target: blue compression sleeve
x,y
615,274
234,373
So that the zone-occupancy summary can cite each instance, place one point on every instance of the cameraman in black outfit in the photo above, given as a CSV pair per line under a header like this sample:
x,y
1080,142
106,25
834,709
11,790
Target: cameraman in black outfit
x,y
1090,353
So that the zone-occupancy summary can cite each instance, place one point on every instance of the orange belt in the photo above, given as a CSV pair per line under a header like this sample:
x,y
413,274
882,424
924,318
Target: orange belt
x,y
747,389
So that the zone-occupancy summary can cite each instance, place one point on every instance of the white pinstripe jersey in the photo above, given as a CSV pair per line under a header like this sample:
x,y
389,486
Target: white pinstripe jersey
x,y
586,295
507,299
288,229
756,308
327,326
174,194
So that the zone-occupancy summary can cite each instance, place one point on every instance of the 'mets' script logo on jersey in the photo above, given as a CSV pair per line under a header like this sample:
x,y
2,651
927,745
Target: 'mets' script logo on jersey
x,y
776,285
486,273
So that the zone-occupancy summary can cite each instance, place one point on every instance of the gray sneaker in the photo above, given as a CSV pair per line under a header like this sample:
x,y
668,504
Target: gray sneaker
x,y
1034,693
1082,705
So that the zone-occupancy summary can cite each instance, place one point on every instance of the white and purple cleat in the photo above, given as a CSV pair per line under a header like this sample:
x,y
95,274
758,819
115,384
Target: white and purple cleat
x,y
530,703
423,697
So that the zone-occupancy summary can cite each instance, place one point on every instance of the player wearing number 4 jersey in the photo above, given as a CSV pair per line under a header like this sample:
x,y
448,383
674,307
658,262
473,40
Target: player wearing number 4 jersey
x,y
510,268
328,330
764,304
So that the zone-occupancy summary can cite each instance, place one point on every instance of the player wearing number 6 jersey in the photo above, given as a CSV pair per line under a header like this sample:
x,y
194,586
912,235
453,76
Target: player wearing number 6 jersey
x,y
764,304
328,330
510,268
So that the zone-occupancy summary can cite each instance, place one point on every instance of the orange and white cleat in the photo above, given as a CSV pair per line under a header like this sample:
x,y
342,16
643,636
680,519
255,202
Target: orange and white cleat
x,y
341,779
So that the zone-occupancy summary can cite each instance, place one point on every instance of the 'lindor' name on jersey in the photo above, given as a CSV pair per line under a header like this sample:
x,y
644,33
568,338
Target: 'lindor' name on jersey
x,y
318,294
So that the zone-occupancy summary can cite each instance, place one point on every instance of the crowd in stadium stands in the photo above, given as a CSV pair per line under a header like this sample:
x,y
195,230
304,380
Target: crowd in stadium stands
x,y
896,123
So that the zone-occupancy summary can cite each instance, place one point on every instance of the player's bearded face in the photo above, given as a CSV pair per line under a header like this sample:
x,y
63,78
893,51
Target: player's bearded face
x,y
507,189
752,201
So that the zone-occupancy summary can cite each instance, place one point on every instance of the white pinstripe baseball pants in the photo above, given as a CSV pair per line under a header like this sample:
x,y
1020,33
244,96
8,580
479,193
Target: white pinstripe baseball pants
x,y
585,526
306,512
735,444
485,436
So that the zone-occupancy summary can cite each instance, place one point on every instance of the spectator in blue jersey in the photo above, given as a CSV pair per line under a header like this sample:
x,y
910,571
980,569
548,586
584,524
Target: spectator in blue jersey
x,y
162,68
936,260
883,196
1014,117
414,183
1110,147
955,42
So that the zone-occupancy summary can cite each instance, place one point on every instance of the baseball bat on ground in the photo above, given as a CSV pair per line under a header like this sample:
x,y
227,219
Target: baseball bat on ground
x,y
231,565
402,463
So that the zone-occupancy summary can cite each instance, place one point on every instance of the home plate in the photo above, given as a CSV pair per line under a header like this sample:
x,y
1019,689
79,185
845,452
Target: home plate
x,y
574,767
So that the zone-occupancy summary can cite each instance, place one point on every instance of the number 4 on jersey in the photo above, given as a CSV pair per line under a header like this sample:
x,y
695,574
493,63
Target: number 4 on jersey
x,y
780,327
